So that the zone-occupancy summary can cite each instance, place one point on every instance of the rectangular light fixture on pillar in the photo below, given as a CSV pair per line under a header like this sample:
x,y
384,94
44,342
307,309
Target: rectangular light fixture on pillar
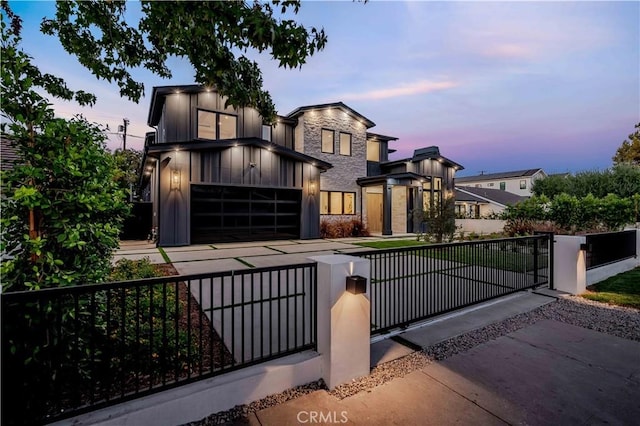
x,y
175,179
312,188
356,284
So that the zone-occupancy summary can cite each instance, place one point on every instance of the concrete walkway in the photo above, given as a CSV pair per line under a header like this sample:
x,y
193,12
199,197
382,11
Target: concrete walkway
x,y
547,373
198,259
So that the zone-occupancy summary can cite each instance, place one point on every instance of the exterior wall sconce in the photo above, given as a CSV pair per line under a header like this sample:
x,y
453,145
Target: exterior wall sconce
x,y
175,179
312,188
356,284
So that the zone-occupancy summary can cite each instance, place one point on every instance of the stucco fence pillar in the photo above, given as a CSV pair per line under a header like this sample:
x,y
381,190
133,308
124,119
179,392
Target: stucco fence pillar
x,y
343,319
570,267
569,264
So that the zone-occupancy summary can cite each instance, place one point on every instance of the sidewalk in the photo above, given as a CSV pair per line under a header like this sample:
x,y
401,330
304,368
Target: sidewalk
x,y
546,373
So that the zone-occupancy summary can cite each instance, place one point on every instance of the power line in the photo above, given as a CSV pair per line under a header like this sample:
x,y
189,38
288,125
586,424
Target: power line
x,y
129,135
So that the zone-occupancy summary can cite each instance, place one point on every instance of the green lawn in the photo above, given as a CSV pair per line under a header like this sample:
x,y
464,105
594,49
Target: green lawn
x,y
496,259
472,255
622,289
391,244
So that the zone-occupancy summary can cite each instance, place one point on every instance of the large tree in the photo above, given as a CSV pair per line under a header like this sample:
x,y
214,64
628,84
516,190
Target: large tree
x,y
629,151
61,206
214,36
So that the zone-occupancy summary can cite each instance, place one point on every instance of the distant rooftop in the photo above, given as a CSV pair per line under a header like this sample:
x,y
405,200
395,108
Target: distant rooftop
x,y
473,194
500,175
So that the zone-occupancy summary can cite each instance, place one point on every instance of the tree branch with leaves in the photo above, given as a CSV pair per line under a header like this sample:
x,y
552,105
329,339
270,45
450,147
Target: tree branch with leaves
x,y
213,36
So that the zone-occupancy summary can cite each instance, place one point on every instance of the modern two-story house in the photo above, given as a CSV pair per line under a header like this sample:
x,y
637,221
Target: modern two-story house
x,y
218,174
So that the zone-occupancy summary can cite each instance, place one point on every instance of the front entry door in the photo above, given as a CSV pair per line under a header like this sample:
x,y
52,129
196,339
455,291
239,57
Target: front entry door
x,y
374,212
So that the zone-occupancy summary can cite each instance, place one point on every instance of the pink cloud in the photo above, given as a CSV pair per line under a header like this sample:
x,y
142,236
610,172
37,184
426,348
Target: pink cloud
x,y
422,86
508,50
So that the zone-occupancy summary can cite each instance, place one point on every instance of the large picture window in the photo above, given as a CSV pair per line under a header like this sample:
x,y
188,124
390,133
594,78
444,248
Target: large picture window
x,y
215,125
345,144
336,202
328,143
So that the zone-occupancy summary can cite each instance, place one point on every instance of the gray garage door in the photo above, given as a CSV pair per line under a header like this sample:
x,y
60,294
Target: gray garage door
x,y
233,213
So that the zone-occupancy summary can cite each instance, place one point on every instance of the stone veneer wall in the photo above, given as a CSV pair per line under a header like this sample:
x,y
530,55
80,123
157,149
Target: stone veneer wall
x,y
346,169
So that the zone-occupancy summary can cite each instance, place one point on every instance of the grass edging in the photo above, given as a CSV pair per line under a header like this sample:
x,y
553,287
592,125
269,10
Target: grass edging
x,y
164,255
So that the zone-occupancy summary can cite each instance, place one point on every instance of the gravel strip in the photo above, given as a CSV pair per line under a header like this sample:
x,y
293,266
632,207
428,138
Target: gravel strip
x,y
617,321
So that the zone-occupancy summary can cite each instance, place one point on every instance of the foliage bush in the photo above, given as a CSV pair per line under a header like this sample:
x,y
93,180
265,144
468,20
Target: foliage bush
x,y
570,214
343,228
439,221
61,208
622,180
120,336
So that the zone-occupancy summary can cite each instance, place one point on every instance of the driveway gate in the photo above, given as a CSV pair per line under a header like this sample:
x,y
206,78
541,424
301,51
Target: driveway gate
x,y
414,283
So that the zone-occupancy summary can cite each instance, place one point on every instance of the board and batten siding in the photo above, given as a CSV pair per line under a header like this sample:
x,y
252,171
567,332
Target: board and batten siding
x,y
179,119
234,166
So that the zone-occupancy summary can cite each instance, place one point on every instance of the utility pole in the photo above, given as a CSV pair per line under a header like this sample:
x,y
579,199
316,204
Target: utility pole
x,y
123,129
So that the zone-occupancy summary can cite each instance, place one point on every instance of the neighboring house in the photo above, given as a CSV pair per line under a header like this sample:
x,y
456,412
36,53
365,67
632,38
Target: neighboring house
x,y
220,174
473,202
518,182
8,154
8,157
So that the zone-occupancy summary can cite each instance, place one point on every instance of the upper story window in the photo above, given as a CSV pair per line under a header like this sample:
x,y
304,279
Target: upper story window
x,y
523,184
437,184
328,142
266,132
216,125
345,143
373,151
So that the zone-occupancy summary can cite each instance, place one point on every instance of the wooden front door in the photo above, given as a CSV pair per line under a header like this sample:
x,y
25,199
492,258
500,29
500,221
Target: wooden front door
x,y
374,212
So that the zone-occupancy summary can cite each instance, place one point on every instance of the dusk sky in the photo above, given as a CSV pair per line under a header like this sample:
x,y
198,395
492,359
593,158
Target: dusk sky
x,y
497,86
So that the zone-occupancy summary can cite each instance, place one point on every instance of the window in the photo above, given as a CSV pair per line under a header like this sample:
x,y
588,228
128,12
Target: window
x,y
490,184
335,202
214,125
228,126
349,203
523,184
345,143
437,184
328,141
206,125
373,151
503,186
478,185
266,132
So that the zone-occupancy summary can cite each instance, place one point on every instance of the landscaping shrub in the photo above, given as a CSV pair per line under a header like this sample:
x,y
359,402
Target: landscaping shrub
x,y
343,228
121,336
569,214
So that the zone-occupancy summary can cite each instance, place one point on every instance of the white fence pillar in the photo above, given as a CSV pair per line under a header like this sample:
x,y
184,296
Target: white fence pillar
x,y
569,264
344,319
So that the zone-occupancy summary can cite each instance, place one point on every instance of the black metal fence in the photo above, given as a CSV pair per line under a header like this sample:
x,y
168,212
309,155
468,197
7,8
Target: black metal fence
x,y
610,247
414,283
70,350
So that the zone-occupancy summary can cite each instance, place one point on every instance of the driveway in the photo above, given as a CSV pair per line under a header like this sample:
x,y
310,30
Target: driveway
x,y
544,374
198,259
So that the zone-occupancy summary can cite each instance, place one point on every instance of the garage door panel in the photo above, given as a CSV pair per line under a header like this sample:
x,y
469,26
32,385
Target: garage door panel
x,y
243,213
